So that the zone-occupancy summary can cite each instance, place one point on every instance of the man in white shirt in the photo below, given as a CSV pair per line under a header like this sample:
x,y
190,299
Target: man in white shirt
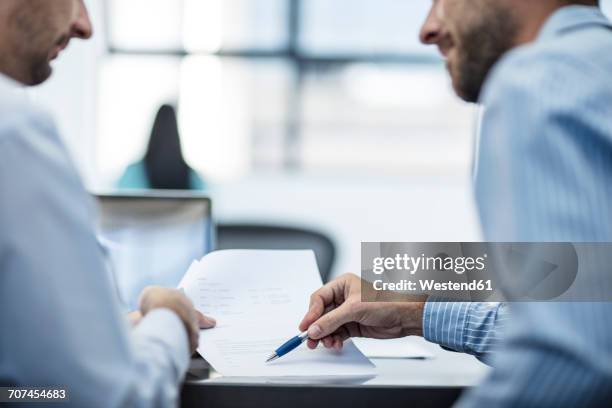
x,y
59,319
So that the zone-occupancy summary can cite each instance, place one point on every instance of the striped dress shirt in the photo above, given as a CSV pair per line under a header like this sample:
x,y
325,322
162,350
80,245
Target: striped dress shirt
x,y
544,174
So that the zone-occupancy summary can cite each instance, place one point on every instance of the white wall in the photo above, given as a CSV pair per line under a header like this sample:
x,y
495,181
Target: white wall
x,y
71,94
355,209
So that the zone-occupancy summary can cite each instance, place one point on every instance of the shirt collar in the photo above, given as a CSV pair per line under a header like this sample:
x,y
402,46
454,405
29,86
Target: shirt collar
x,y
572,17
9,82
11,88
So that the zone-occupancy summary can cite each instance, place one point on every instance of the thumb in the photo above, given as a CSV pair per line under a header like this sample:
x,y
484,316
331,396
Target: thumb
x,y
205,322
330,322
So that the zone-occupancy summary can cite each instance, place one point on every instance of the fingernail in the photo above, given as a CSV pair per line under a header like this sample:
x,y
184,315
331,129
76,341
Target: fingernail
x,y
314,331
212,321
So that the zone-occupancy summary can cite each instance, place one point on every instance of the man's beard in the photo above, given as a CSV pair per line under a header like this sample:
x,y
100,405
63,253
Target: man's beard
x,y
40,70
482,46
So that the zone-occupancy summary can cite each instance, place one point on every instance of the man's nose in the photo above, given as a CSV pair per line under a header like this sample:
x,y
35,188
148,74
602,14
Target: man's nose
x,y
430,31
82,27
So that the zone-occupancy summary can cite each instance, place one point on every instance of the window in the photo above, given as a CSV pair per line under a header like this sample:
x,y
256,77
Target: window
x,y
197,25
281,85
363,27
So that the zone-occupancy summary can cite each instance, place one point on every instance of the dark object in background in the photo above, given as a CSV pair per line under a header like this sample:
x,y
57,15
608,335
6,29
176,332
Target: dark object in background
x,y
245,236
165,165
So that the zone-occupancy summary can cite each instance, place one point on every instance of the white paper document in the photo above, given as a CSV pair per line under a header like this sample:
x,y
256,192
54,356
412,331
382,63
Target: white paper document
x,y
258,298
408,348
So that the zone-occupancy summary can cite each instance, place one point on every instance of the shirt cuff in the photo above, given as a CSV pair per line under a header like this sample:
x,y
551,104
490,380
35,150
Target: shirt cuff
x,y
444,323
164,327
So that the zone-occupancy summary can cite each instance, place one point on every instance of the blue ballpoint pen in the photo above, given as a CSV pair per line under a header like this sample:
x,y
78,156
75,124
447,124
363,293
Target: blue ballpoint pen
x,y
288,346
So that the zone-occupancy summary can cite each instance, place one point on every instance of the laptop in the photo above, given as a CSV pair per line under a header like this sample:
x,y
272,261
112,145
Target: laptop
x,y
151,238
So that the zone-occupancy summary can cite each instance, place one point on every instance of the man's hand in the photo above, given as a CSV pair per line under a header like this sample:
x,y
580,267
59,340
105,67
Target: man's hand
x,y
155,297
134,317
337,313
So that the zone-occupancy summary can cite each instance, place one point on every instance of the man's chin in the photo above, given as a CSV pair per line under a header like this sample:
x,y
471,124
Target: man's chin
x,y
456,82
40,74
460,87
464,94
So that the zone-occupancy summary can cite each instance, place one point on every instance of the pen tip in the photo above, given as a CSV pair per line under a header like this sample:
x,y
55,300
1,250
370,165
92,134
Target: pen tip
x,y
272,358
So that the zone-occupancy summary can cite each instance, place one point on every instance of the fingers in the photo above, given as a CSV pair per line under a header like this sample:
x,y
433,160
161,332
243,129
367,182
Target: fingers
x,y
335,340
147,296
205,322
135,317
179,303
199,321
328,342
337,343
312,344
330,322
318,303
340,337
325,299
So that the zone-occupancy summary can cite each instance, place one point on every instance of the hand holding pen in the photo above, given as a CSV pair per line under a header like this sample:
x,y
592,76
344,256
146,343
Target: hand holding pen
x,y
337,313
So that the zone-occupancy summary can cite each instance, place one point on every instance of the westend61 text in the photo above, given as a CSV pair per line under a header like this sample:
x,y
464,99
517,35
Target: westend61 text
x,y
432,285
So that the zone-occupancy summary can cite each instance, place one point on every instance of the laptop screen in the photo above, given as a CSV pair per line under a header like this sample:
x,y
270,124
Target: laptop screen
x,y
152,239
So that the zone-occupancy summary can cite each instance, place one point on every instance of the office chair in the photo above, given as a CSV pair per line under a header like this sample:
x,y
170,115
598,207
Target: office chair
x,y
252,236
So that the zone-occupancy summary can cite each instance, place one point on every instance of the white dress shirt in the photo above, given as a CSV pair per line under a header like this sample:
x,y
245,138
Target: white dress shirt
x,y
60,322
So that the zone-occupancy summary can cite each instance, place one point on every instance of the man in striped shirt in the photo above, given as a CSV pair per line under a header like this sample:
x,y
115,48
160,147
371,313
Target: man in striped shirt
x,y
542,71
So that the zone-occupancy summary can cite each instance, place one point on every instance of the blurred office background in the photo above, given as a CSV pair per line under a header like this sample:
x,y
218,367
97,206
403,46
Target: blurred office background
x,y
321,114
